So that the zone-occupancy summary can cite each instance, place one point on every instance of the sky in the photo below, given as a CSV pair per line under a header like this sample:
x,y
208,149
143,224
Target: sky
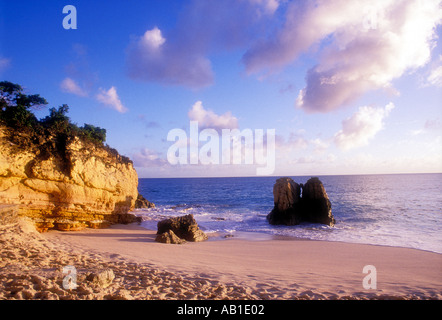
x,y
348,86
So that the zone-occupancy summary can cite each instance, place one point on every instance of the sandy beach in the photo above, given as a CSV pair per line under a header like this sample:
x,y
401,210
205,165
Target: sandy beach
x,y
31,267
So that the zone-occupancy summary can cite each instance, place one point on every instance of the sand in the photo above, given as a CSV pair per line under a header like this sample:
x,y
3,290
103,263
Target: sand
x,y
242,267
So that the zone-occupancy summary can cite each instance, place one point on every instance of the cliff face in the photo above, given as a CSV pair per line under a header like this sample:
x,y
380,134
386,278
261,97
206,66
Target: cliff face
x,y
85,185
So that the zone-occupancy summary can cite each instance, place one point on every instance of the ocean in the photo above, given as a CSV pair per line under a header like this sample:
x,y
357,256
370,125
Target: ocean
x,y
403,210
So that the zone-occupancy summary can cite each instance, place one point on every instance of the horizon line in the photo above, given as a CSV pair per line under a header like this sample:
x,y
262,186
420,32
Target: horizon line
x,y
305,175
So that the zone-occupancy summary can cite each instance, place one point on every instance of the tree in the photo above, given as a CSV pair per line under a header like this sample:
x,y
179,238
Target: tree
x,y
11,94
93,133
16,114
57,121
15,105
8,93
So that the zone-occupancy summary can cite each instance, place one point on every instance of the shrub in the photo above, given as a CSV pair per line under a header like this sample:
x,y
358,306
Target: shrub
x,y
93,133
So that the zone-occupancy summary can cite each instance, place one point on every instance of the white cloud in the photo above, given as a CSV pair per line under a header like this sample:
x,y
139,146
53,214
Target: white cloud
x,y
209,119
153,39
180,56
417,132
146,158
361,127
435,77
70,86
110,98
295,141
265,6
152,58
297,153
320,146
430,126
362,46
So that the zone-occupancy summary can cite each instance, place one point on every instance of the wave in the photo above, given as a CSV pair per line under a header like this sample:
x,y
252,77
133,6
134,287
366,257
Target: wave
x,y
395,210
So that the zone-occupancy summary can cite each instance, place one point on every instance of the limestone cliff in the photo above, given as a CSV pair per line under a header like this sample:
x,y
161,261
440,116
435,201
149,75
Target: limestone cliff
x,y
86,185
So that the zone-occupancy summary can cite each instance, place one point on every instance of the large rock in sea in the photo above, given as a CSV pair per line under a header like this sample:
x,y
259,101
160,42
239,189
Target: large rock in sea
x,y
287,199
85,184
290,208
184,227
143,203
316,204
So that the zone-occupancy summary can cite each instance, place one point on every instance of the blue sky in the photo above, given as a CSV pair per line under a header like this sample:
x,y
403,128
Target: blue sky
x,y
350,87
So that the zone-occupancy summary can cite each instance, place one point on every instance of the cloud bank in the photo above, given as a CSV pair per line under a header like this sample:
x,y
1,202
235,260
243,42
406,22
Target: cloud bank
x,y
361,127
357,46
361,46
152,57
181,57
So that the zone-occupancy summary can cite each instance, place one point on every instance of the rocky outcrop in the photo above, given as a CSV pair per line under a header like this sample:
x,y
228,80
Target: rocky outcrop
x,y
290,208
169,237
316,204
184,228
143,203
88,185
8,214
287,199
102,278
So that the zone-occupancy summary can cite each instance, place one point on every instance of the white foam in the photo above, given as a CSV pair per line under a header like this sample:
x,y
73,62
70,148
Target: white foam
x,y
229,220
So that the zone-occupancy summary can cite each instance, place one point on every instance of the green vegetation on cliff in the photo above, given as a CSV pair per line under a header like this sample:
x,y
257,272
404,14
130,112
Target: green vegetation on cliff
x,y
50,135
15,112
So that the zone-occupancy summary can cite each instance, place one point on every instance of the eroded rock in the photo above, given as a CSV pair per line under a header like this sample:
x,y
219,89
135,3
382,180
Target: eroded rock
x,y
169,237
143,203
290,208
91,183
102,279
8,214
69,225
316,204
184,227
287,197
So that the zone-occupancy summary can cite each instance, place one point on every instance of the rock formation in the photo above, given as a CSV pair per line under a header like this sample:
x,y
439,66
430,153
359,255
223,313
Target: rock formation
x,y
143,203
291,208
169,237
287,199
316,204
102,278
8,214
90,185
184,228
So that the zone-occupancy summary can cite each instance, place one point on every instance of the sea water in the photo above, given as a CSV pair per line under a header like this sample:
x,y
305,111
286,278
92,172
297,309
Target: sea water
x,y
402,210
